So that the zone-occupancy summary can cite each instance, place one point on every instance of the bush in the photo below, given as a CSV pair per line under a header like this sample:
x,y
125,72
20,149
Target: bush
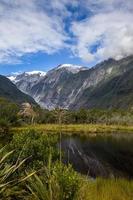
x,y
68,180
57,182
4,128
8,111
34,145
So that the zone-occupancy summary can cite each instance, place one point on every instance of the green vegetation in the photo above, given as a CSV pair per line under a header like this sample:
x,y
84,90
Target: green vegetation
x,y
8,117
35,146
93,116
76,129
8,180
30,164
55,181
105,189
28,114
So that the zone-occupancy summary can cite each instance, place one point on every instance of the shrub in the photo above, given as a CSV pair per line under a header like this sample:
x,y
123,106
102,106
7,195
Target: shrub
x,y
34,145
57,182
4,128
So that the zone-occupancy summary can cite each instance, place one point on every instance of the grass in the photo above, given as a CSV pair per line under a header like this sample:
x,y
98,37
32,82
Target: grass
x,y
60,182
106,189
79,129
7,170
65,184
98,189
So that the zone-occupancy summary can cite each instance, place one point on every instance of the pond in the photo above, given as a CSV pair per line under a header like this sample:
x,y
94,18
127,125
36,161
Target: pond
x,y
105,156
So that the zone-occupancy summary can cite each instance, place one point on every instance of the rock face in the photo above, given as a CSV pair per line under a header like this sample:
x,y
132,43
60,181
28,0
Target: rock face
x,y
27,80
74,87
9,91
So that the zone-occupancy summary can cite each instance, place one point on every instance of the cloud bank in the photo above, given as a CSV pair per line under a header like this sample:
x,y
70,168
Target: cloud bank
x,y
92,30
24,28
103,36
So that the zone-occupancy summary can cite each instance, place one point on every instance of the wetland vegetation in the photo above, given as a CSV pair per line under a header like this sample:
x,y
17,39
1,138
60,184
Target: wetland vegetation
x,y
46,156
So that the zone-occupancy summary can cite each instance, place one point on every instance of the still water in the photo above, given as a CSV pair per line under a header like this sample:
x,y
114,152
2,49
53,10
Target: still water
x,y
104,156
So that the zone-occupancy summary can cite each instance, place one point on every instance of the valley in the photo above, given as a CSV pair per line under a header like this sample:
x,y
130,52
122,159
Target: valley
x,y
66,99
69,130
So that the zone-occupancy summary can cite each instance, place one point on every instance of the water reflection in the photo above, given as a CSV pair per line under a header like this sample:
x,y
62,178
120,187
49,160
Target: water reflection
x,y
100,155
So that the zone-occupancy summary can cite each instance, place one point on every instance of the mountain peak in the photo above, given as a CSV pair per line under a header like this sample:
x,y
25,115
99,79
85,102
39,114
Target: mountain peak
x,y
71,67
68,65
73,86
32,74
41,73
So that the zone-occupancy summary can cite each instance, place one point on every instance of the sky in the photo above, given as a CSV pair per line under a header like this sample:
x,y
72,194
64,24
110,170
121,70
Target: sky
x,y
41,34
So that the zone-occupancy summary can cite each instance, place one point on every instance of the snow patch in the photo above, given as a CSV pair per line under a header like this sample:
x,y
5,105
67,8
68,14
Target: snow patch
x,y
41,73
72,68
69,66
11,78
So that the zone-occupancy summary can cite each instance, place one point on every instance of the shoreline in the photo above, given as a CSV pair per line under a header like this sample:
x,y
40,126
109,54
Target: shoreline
x,y
77,128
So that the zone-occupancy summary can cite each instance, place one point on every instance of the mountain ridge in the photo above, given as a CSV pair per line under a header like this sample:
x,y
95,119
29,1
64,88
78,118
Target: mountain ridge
x,y
9,91
65,88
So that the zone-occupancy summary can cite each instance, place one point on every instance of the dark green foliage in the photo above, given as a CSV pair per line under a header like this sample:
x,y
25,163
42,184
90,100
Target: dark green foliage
x,y
34,146
93,116
45,116
56,182
8,117
9,187
8,111
68,181
9,91
4,128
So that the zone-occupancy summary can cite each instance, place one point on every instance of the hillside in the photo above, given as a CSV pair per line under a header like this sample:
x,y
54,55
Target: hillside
x,y
9,91
114,93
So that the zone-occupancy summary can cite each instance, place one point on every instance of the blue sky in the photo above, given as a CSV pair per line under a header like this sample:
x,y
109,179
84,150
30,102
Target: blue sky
x,y
42,62
41,34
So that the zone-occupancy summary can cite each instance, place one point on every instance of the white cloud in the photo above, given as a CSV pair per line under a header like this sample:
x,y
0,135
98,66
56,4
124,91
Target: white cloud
x,y
25,28
29,26
111,32
97,6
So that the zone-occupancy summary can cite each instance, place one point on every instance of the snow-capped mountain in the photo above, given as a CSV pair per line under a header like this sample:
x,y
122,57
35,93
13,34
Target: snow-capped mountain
x,y
72,68
72,87
32,75
26,80
14,76
41,85
40,73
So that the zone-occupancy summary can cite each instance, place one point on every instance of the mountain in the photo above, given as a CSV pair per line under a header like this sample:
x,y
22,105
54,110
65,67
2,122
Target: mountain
x,y
25,81
44,89
71,68
9,91
114,93
106,85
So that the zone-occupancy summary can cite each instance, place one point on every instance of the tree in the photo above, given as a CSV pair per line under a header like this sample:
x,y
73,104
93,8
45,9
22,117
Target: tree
x,y
27,113
8,111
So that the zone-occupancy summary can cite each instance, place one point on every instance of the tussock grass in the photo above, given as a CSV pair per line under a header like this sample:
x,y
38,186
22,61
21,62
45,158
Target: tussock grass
x,y
79,129
86,189
105,189
7,170
59,182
